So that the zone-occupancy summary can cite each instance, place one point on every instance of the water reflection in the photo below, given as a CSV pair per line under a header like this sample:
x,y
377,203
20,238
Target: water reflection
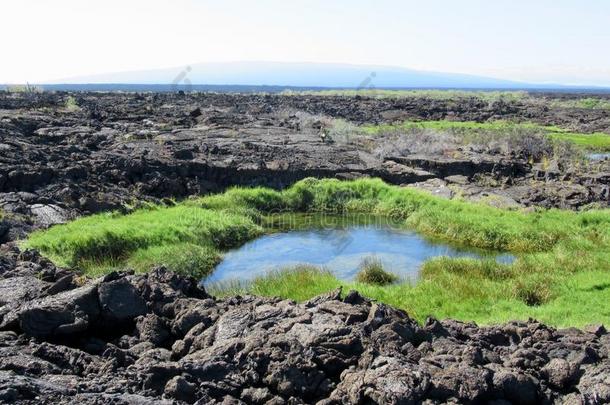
x,y
598,156
340,250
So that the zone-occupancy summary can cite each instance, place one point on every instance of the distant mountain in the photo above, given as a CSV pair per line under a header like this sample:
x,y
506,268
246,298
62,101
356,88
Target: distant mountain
x,y
308,75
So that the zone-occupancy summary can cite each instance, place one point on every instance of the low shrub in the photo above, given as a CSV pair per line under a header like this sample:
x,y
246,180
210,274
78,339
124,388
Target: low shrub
x,y
71,104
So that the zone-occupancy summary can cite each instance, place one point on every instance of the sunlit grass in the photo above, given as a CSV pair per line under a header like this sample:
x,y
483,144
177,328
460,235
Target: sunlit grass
x,y
574,299
588,103
182,237
372,272
595,141
560,275
428,94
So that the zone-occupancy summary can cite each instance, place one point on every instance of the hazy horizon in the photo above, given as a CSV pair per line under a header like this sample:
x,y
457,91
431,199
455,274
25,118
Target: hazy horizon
x,y
301,75
560,42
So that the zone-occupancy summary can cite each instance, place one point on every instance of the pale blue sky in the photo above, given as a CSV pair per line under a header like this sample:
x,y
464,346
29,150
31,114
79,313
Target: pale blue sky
x,y
565,41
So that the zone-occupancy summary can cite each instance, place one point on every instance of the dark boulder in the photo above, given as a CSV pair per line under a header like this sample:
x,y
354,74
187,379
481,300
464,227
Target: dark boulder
x,y
4,229
61,314
152,328
181,389
120,301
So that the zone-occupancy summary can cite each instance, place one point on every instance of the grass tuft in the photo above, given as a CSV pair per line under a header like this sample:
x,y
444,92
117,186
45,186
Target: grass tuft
x,y
534,290
311,280
71,104
372,272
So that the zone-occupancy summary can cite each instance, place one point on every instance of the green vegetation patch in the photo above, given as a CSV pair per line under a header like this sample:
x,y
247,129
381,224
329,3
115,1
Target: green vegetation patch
x,y
448,95
71,104
471,131
444,125
372,272
563,300
561,275
300,283
588,103
597,141
185,237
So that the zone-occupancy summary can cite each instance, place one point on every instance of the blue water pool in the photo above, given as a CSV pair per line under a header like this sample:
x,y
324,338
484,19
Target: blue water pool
x,y
340,250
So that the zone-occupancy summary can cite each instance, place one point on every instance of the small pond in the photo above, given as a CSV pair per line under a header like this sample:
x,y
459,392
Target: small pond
x,y
340,248
598,156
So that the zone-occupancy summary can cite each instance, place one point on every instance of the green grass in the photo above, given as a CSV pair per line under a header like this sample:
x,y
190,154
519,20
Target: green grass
x,y
589,103
575,299
312,281
445,125
184,258
595,141
428,94
372,272
71,104
561,275
178,237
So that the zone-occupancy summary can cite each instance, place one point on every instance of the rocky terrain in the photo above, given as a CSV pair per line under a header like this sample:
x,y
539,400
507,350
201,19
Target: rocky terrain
x,y
159,338
64,155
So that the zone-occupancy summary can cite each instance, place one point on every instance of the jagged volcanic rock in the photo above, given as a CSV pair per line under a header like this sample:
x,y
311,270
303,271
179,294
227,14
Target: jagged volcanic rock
x,y
160,338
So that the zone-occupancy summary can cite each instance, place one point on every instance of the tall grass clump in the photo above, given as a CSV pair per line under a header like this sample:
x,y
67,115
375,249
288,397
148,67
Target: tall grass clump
x,y
372,272
229,219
